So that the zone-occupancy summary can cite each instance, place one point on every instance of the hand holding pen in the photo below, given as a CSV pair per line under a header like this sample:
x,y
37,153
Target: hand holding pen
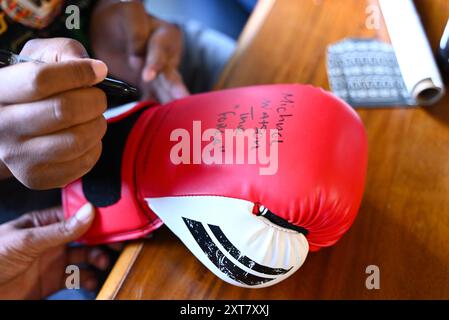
x,y
110,86
51,121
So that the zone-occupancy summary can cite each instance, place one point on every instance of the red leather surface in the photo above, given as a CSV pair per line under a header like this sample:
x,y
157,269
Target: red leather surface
x,y
321,162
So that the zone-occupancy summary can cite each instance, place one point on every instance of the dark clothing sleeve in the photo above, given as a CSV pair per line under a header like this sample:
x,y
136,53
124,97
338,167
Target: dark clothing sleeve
x,y
16,199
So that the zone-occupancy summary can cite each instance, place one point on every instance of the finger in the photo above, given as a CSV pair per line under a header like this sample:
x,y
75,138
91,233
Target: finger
x,y
65,145
173,83
39,218
54,49
92,256
53,114
160,92
39,239
169,87
58,175
99,259
155,90
175,59
33,81
167,39
159,52
137,35
155,62
88,279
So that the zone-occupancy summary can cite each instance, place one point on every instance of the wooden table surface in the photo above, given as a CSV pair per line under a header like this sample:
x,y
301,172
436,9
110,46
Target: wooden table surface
x,y
403,223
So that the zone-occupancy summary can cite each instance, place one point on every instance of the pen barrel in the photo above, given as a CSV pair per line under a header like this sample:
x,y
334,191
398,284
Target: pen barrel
x,y
118,88
118,92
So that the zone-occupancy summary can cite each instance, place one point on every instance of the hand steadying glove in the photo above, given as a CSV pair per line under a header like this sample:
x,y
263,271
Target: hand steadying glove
x,y
34,255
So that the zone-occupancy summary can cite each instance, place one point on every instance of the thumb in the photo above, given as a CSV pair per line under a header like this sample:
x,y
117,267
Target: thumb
x,y
156,58
53,235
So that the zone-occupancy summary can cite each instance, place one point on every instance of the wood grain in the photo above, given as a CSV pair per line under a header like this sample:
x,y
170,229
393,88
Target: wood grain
x,y
403,224
120,271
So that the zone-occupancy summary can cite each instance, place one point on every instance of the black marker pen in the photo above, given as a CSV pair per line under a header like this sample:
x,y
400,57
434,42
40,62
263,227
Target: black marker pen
x,y
112,87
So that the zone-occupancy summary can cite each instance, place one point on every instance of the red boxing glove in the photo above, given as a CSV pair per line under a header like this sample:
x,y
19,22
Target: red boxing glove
x,y
249,179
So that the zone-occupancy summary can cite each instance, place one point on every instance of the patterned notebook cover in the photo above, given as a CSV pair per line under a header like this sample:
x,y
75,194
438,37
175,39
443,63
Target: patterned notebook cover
x,y
365,73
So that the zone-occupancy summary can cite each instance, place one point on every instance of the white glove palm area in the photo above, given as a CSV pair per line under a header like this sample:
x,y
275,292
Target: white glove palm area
x,y
235,244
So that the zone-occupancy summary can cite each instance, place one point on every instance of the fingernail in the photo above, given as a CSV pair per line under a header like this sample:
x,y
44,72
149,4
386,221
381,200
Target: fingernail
x,y
100,69
98,258
86,213
83,216
149,75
